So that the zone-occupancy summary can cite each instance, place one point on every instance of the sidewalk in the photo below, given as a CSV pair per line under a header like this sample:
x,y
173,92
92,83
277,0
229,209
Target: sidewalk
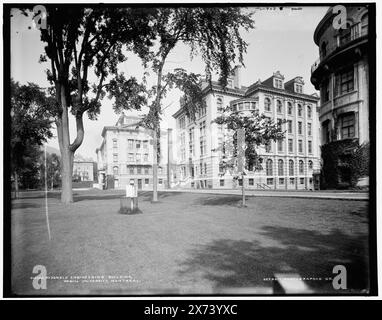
x,y
336,194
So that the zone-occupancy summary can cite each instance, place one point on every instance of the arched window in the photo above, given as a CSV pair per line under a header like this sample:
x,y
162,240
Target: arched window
x,y
115,170
281,167
310,164
309,112
269,167
279,106
301,167
219,102
290,108
267,104
299,110
291,167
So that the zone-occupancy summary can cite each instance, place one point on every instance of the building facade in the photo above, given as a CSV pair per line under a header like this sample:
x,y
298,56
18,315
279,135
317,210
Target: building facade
x,y
126,156
341,73
84,174
288,164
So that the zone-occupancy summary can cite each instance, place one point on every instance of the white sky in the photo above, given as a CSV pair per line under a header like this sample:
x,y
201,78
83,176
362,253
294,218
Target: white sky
x,y
282,40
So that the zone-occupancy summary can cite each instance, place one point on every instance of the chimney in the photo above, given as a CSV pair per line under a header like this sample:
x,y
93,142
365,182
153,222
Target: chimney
x,y
236,77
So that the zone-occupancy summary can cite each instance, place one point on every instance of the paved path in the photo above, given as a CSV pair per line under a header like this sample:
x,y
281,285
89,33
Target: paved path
x,y
286,194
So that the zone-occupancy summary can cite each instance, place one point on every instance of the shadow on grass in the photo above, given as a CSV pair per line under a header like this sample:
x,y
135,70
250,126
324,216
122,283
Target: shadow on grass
x,y
221,201
25,205
148,195
239,263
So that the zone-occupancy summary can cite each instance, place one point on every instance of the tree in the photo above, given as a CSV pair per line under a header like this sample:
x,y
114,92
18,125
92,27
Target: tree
x,y
30,127
214,33
80,40
53,169
259,131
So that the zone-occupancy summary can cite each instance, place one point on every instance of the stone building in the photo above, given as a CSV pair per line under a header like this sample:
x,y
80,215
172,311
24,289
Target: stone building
x,y
341,73
288,164
125,156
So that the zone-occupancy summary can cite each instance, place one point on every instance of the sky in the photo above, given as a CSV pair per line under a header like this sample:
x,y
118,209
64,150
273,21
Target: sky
x,y
281,40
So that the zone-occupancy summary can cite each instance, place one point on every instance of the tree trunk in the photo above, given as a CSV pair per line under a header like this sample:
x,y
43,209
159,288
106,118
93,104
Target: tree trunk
x,y
16,185
155,166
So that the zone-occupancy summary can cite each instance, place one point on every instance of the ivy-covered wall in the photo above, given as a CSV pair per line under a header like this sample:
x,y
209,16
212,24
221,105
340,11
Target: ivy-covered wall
x,y
344,162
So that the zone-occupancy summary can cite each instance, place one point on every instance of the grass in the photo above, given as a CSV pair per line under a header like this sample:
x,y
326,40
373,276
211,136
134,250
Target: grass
x,y
186,243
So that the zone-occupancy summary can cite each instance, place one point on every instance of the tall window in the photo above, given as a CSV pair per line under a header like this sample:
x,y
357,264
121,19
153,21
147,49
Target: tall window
x,y
281,167
309,109
219,102
310,164
130,144
146,157
115,143
325,91
139,170
310,150
279,106
138,144
299,110
290,108
301,167
291,167
269,167
290,126
300,146
182,123
191,141
280,145
267,104
115,158
138,157
309,129
130,157
131,170
344,81
145,144
299,127
347,126
115,170
268,147
290,145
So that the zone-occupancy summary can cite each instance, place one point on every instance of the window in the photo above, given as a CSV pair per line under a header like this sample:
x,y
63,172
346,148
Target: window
x,y
132,182
278,83
269,181
344,81
325,131
325,91
139,170
202,128
251,181
290,126
203,146
279,123
240,106
268,147
309,129
299,127
131,170
115,171
290,108
300,150
310,164
279,106
267,104
301,167
269,168
160,170
138,144
115,142
291,167
219,102
222,182
253,106
347,126
299,110
290,145
202,110
280,145
344,35
364,24
298,88
309,110
160,181
138,157
281,181
310,147
205,168
115,158
146,157
291,180
130,144
240,182
191,141
145,144
280,167
302,180
182,123
147,181
147,171
201,168
247,105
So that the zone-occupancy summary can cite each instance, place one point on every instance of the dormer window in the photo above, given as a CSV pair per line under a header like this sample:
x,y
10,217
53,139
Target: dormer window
x,y
298,88
278,83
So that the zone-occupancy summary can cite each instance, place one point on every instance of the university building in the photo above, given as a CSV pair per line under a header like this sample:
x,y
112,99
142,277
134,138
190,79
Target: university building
x,y
125,156
341,73
288,164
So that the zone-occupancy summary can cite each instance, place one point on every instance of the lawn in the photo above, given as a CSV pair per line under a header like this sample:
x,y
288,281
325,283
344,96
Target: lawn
x,y
186,244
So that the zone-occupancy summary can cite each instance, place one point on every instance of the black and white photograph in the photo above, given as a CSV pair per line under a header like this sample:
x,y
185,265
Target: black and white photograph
x,y
189,149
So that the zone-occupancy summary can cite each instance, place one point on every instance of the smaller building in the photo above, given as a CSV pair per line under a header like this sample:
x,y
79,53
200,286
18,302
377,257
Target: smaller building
x,y
84,173
126,156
